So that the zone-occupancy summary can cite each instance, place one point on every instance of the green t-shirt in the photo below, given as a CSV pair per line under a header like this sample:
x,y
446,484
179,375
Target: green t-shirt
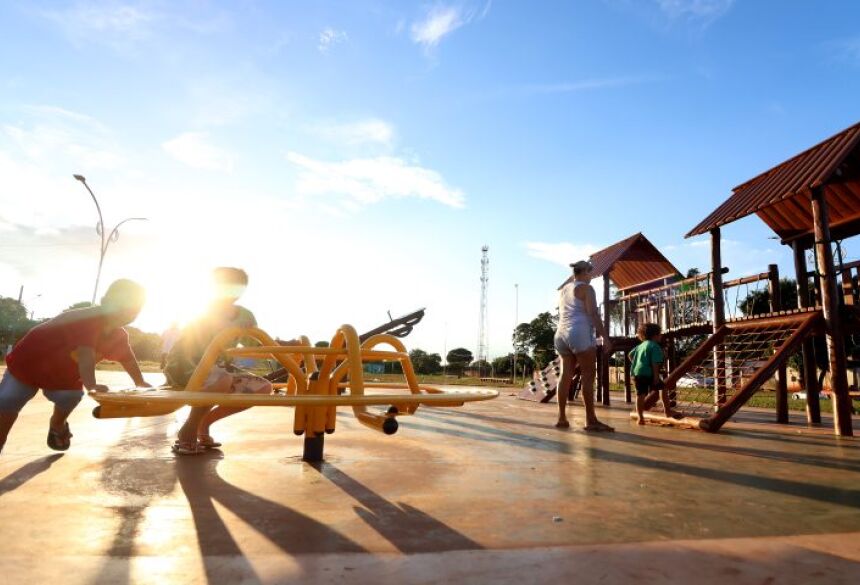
x,y
644,356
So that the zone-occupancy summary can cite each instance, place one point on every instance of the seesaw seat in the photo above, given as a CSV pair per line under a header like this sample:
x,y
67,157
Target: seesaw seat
x,y
164,400
319,381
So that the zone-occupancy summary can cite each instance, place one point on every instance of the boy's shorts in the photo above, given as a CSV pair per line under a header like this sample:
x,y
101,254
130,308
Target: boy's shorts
x,y
14,394
242,383
644,385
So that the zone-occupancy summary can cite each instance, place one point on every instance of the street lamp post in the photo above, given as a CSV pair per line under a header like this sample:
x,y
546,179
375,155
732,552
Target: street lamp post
x,y
100,230
516,319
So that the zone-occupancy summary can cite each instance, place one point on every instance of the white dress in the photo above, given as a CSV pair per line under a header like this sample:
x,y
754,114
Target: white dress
x,y
575,332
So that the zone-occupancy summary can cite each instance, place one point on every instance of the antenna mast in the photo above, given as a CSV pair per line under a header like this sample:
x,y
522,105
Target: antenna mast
x,y
482,354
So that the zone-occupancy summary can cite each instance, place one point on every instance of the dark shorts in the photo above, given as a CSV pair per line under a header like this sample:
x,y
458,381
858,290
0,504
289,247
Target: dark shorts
x,y
644,385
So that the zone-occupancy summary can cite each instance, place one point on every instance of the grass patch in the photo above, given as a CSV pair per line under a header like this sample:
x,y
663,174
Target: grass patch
x,y
146,367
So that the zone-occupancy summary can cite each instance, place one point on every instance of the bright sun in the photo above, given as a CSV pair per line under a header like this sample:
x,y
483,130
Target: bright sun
x,y
173,299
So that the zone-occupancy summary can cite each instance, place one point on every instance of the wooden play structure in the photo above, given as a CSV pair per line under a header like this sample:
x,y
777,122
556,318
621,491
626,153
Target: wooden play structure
x,y
318,381
811,202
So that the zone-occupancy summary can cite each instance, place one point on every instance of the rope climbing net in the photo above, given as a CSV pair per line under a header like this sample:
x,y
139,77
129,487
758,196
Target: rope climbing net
x,y
731,364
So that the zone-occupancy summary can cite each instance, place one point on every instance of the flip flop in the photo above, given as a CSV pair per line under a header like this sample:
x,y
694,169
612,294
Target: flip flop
x,y
186,448
207,442
562,425
598,428
60,440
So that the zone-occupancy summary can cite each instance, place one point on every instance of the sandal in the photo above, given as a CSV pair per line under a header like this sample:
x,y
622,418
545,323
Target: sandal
x,y
562,424
207,442
598,427
60,440
186,448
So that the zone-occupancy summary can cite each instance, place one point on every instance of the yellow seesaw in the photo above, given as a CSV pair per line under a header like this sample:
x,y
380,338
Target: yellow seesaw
x,y
320,379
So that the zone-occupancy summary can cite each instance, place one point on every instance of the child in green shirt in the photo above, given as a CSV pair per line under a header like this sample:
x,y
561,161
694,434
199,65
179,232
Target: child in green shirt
x,y
646,361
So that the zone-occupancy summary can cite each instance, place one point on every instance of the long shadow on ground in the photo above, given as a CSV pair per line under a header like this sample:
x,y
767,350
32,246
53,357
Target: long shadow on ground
x,y
27,472
407,528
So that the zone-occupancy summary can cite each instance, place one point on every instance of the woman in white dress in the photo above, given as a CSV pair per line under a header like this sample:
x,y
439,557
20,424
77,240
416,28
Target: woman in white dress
x,y
575,342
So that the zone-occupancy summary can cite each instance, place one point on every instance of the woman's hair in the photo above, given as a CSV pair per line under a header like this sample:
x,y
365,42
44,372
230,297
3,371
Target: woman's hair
x,y
230,275
124,294
581,267
648,331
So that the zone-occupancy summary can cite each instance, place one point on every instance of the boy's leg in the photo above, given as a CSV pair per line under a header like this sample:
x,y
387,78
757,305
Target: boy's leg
x,y
188,432
241,384
667,403
65,401
7,419
13,396
640,407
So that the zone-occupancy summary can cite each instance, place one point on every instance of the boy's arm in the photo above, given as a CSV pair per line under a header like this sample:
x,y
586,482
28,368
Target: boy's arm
x,y
131,366
87,369
657,365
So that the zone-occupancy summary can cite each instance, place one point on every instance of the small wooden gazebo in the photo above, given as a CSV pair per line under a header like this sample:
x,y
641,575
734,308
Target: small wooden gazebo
x,y
632,265
809,201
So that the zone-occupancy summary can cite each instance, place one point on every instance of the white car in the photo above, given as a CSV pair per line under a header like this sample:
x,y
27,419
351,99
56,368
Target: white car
x,y
694,381
802,395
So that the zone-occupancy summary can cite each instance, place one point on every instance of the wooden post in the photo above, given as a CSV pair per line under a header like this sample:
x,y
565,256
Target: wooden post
x,y
782,372
832,319
810,378
671,355
628,394
625,318
719,316
606,354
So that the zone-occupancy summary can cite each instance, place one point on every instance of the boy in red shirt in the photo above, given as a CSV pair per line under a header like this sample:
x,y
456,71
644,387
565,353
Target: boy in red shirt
x,y
59,356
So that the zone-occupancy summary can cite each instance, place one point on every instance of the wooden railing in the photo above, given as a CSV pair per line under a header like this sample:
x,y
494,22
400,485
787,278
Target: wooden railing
x,y
688,304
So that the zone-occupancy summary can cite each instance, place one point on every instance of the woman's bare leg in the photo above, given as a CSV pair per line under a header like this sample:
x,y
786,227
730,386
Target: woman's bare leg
x,y
588,368
568,364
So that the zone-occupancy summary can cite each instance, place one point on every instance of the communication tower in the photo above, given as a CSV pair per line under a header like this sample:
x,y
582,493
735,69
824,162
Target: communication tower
x,y
482,353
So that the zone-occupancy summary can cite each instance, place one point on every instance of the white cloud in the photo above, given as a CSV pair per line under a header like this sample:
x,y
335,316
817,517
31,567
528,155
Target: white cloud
x,y
330,37
845,50
368,131
561,253
439,22
194,150
51,134
370,180
586,85
705,11
112,22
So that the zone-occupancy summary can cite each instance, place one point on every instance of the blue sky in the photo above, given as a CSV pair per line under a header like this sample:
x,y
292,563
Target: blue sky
x,y
354,156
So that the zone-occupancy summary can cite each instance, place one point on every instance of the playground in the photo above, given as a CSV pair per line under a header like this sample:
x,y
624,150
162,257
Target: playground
x,y
489,492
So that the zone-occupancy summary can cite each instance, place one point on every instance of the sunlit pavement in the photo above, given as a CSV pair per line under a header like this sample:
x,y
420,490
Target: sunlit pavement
x,y
485,493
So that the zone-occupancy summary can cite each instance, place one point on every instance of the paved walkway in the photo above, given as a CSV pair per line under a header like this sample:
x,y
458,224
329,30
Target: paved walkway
x,y
486,493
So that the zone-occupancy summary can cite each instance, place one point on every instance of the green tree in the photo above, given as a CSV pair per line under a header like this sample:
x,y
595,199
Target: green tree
x,y
458,358
321,344
146,346
502,365
537,338
13,322
481,367
425,363
758,301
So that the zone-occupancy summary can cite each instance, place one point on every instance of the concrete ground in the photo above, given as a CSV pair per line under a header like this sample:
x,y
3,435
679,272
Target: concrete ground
x,y
486,493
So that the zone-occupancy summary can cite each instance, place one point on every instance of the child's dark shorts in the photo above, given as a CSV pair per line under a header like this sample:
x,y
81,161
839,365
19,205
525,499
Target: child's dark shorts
x,y
644,385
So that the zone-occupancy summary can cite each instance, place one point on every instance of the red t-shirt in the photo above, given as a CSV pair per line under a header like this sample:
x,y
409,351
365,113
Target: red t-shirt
x,y
46,357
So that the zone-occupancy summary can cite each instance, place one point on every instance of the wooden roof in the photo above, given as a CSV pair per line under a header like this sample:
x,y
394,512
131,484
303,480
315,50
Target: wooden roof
x,y
631,263
781,195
